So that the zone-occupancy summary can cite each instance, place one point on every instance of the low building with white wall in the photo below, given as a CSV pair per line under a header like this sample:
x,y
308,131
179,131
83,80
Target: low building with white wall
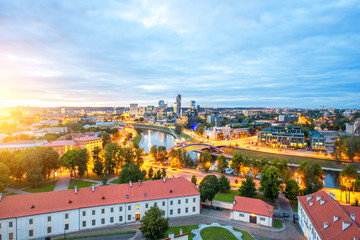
x,y
252,210
39,215
322,217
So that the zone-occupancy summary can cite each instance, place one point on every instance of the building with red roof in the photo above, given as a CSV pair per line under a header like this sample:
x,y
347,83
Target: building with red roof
x,y
322,217
252,211
39,215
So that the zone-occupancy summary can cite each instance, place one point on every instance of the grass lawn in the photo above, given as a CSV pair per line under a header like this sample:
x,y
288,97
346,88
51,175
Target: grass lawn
x,y
17,185
116,181
214,233
137,139
93,176
246,235
188,138
290,158
176,230
80,184
277,224
96,235
47,187
229,197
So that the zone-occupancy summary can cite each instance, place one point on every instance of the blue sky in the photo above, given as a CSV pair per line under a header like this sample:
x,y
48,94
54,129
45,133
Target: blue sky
x,y
219,53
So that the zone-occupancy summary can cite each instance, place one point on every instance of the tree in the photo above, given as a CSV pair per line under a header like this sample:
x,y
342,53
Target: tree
x,y
257,166
222,163
283,169
161,154
347,179
206,160
153,224
312,176
236,163
150,172
208,188
178,129
200,130
247,188
193,179
292,189
105,138
153,151
82,161
32,164
70,160
130,172
224,183
98,168
139,160
112,158
49,159
270,183
4,176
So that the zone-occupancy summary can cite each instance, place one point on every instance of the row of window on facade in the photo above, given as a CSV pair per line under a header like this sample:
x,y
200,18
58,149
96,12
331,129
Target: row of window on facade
x,y
242,215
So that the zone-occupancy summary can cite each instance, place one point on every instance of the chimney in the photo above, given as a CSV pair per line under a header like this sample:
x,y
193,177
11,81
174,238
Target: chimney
x,y
308,198
130,183
93,187
139,181
164,179
332,195
345,225
180,231
326,225
352,217
75,189
335,218
318,197
171,235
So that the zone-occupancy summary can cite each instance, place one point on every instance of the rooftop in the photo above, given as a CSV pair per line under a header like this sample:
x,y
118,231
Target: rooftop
x,y
253,206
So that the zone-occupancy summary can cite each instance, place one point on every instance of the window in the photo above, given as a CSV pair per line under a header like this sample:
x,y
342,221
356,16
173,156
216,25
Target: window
x,y
171,202
120,219
241,215
49,219
147,205
186,210
193,209
49,230
112,209
31,221
93,222
66,226
11,235
103,221
84,213
66,215
163,203
179,210
111,219
137,206
194,199
120,209
102,210
262,219
179,201
129,208
155,204
129,217
84,223
10,224
93,212
171,212
187,201
31,233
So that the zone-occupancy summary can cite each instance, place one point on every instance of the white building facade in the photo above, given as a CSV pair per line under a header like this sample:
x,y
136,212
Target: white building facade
x,y
101,214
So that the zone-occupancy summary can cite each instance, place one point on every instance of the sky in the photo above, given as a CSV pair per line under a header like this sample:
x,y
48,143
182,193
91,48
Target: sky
x,y
231,53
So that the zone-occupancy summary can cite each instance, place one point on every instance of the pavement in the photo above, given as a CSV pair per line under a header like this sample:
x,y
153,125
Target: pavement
x,y
62,182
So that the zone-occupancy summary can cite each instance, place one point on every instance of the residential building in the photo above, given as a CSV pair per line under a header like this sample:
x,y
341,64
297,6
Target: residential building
x,y
178,106
282,136
252,210
288,118
52,213
212,133
21,145
133,109
322,217
90,143
317,140
353,128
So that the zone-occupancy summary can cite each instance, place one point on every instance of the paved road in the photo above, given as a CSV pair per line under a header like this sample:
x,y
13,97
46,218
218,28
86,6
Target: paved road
x,y
126,236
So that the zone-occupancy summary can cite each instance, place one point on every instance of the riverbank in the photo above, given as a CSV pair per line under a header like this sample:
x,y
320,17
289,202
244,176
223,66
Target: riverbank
x,y
137,139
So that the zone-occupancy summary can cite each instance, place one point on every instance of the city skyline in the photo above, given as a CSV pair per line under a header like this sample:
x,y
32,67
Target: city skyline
x,y
232,54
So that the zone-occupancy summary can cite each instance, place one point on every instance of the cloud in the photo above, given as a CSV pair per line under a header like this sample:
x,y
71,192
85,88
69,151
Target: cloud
x,y
232,53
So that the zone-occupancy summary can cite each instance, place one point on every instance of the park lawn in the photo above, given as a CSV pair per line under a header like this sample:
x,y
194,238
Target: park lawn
x,y
93,176
214,233
227,196
116,181
290,158
246,235
176,230
18,185
277,224
80,184
96,235
47,187
188,138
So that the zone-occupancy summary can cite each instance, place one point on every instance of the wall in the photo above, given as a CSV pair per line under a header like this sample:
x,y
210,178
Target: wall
x,y
235,215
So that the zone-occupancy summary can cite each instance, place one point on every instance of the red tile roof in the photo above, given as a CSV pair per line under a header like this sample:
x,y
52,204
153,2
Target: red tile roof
x,y
253,206
60,143
21,205
89,138
319,214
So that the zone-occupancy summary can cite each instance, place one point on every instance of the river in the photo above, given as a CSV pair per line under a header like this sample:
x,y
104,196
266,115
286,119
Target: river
x,y
151,137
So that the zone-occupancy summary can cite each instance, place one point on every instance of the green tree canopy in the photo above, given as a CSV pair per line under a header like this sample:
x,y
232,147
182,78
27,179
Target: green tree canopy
x,y
247,188
270,182
292,189
224,183
222,163
208,188
4,176
312,176
194,179
153,224
130,172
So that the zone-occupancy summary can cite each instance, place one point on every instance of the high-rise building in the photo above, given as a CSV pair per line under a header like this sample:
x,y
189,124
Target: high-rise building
x,y
178,105
192,105
161,104
133,109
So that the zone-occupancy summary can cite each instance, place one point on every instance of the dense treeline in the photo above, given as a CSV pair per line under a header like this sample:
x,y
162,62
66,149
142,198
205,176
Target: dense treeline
x,y
347,147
